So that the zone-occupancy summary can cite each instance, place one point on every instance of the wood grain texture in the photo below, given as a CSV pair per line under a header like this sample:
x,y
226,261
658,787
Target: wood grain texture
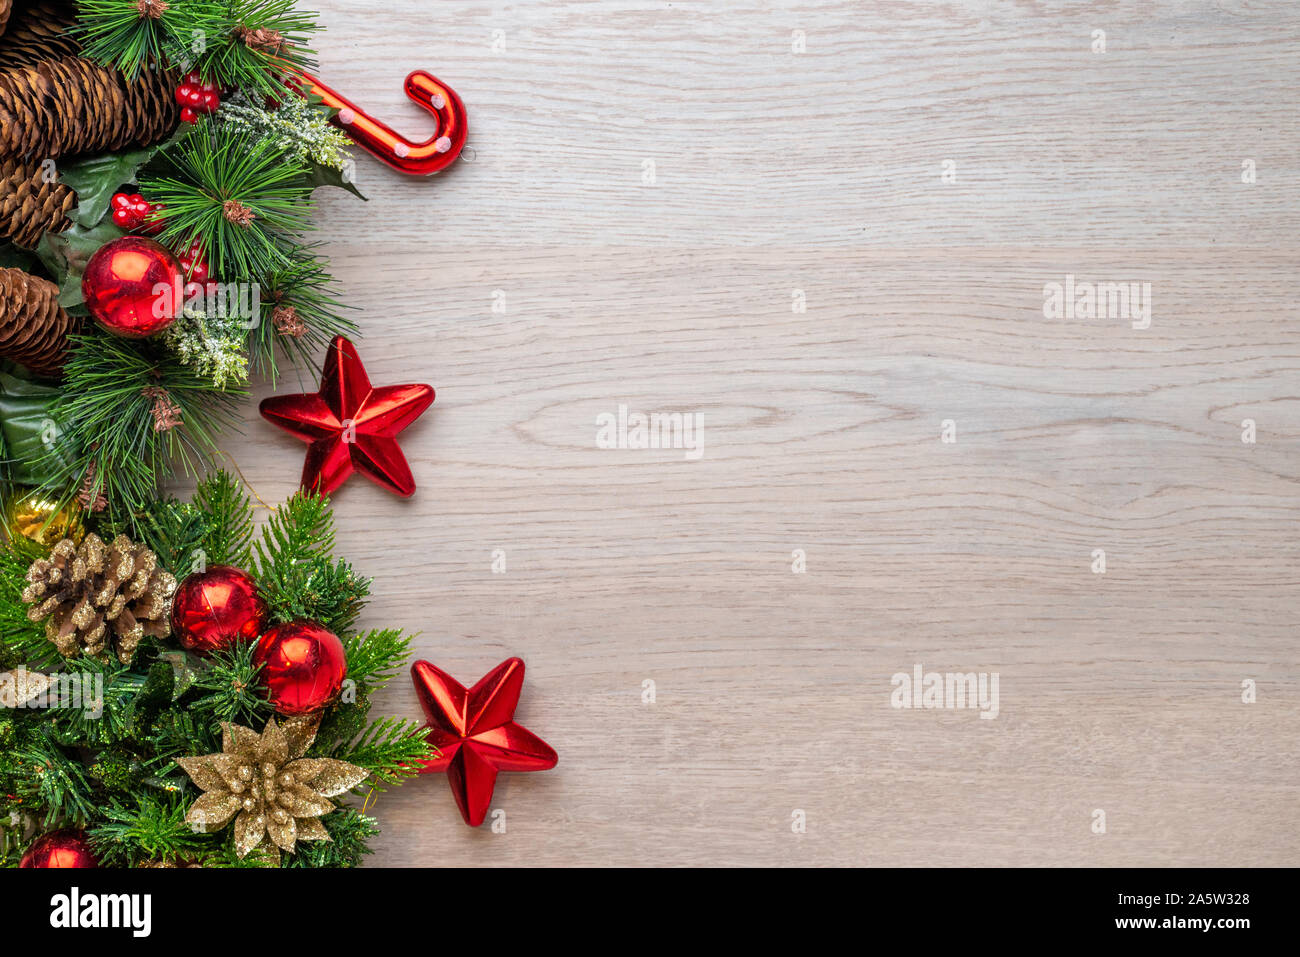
x,y
820,171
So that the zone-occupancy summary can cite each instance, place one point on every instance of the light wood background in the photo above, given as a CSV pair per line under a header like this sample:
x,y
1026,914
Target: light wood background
x,y
820,171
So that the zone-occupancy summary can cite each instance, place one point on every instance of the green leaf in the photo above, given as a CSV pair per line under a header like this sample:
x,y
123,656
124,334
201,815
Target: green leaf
x,y
318,174
26,420
184,672
15,257
96,180
65,255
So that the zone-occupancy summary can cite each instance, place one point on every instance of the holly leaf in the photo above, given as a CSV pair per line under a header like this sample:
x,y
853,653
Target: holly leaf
x,y
15,257
183,671
95,181
318,174
34,438
65,255
154,695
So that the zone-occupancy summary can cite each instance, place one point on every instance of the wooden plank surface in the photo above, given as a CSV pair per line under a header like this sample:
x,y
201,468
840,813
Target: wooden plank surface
x,y
778,173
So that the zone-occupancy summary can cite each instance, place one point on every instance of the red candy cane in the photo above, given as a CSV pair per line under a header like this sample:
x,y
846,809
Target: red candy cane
x,y
419,159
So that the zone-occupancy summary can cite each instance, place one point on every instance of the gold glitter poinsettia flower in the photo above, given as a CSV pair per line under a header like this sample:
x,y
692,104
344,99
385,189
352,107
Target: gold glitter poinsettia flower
x,y
275,795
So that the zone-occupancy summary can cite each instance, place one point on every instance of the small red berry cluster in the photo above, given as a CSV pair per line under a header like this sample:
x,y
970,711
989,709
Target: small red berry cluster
x,y
131,212
194,263
195,97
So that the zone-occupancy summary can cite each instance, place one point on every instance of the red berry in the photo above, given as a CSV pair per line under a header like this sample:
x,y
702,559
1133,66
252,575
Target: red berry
x,y
153,226
193,77
123,219
210,102
188,115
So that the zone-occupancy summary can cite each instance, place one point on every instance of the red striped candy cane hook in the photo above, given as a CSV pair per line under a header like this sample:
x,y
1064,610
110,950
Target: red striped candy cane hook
x,y
419,159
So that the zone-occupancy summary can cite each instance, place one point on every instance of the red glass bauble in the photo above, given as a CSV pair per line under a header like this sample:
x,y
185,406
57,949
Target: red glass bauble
x,y
302,666
60,849
216,609
133,286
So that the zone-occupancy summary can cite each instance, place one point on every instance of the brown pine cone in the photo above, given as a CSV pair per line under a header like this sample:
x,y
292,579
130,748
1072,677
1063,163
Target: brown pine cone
x,y
95,597
37,30
68,106
31,203
6,8
34,328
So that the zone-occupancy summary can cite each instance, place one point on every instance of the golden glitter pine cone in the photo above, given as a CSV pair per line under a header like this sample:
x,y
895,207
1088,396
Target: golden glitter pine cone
x,y
34,328
97,598
275,796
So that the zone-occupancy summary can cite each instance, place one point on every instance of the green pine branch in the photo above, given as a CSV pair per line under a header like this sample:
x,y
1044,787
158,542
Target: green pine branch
x,y
111,390
117,33
152,829
203,173
391,749
300,313
349,831
229,513
376,656
22,641
173,530
299,532
229,689
237,55
319,589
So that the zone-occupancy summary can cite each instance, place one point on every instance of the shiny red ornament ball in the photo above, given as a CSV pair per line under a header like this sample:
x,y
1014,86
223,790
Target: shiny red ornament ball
x,y
60,849
303,666
215,609
132,286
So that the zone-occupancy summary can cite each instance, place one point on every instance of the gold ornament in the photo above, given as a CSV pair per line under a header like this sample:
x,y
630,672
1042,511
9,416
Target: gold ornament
x,y
100,598
275,795
38,517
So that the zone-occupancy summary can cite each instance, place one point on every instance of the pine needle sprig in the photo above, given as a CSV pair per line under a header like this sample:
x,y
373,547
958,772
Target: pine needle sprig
x,y
319,589
301,312
300,530
172,530
55,782
232,690
112,389
229,513
22,641
154,829
257,45
376,656
92,696
238,196
391,749
350,832
132,35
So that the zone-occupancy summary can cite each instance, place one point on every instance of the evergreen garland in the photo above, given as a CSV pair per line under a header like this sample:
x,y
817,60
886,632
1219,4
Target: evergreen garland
x,y
113,773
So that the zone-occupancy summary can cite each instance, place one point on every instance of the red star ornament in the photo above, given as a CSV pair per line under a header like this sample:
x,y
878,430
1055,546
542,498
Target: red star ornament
x,y
476,734
349,425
